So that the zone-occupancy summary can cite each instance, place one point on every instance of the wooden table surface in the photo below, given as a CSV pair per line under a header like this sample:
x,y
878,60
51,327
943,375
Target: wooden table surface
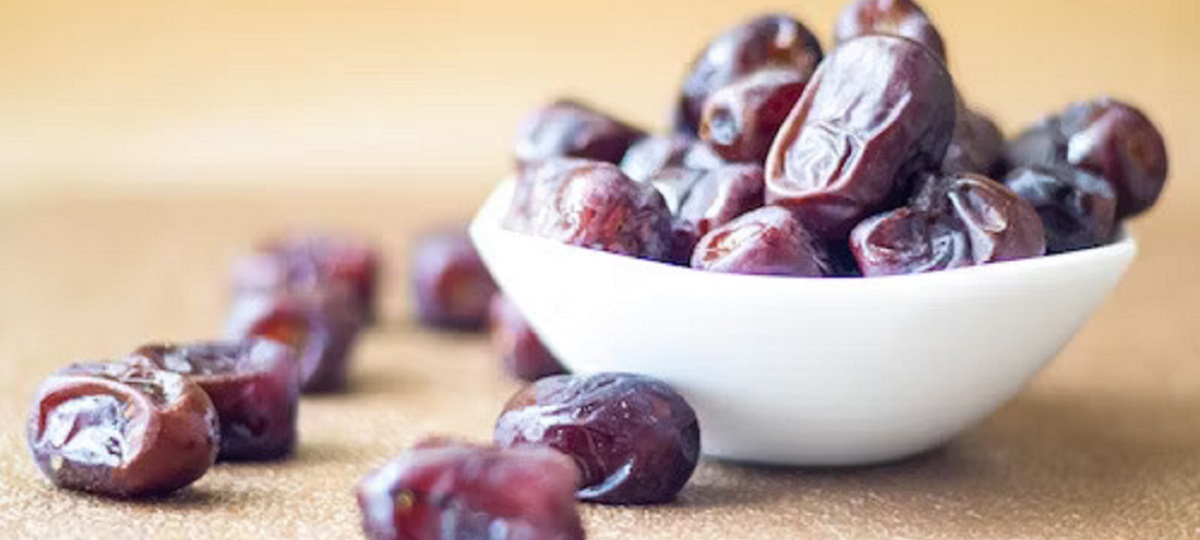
x,y
1104,444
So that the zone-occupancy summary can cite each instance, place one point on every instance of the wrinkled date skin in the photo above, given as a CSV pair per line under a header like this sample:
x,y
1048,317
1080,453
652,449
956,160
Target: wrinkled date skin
x,y
903,18
954,221
878,111
776,41
634,439
702,200
1108,138
740,121
254,385
1078,209
977,146
769,241
654,154
122,430
307,261
450,284
442,490
567,128
593,205
657,153
316,325
521,351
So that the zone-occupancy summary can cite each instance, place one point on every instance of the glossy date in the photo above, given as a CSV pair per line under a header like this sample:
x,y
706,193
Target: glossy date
x,y
775,41
594,205
879,110
768,241
122,429
740,121
445,490
1078,209
1106,137
954,221
568,128
633,438
254,386
903,18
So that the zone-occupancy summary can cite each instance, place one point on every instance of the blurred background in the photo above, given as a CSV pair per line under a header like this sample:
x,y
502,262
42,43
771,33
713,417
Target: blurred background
x,y
152,95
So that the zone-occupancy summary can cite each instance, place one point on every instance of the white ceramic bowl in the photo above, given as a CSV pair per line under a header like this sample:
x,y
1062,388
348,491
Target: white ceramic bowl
x,y
805,371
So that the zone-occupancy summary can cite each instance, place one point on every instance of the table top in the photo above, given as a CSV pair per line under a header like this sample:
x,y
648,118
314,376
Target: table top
x,y
1105,443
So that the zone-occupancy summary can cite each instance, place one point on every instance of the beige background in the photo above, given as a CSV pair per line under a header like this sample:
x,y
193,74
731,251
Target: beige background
x,y
131,92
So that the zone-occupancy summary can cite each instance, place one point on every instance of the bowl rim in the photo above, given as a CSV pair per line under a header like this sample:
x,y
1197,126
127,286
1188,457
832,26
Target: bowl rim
x,y
487,222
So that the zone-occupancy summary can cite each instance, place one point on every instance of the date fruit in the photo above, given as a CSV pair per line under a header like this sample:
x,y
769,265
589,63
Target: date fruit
x,y
775,41
315,324
592,204
977,146
254,385
520,349
740,121
122,430
878,111
450,284
769,241
1106,137
702,200
307,261
655,153
568,128
954,221
903,18
1078,209
634,439
442,490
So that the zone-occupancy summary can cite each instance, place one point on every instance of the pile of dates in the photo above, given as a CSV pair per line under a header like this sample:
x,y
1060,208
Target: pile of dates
x,y
786,159
614,439
156,420
782,161
452,290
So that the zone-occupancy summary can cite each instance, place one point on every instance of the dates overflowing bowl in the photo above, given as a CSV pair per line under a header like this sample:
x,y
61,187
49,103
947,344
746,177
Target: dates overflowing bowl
x,y
834,255
805,371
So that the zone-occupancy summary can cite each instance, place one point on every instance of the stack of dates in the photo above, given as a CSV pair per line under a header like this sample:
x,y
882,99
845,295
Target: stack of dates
x,y
864,162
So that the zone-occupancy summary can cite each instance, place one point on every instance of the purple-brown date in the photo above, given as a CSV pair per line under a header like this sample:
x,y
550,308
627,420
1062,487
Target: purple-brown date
x,y
776,41
740,121
769,241
702,200
718,196
450,285
254,386
1111,139
306,261
878,111
633,438
977,146
522,353
655,153
316,324
954,221
122,430
592,204
444,490
567,128
1078,209
903,18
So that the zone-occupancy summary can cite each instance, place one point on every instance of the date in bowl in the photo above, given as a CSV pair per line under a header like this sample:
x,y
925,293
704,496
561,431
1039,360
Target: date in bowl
x,y
811,372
